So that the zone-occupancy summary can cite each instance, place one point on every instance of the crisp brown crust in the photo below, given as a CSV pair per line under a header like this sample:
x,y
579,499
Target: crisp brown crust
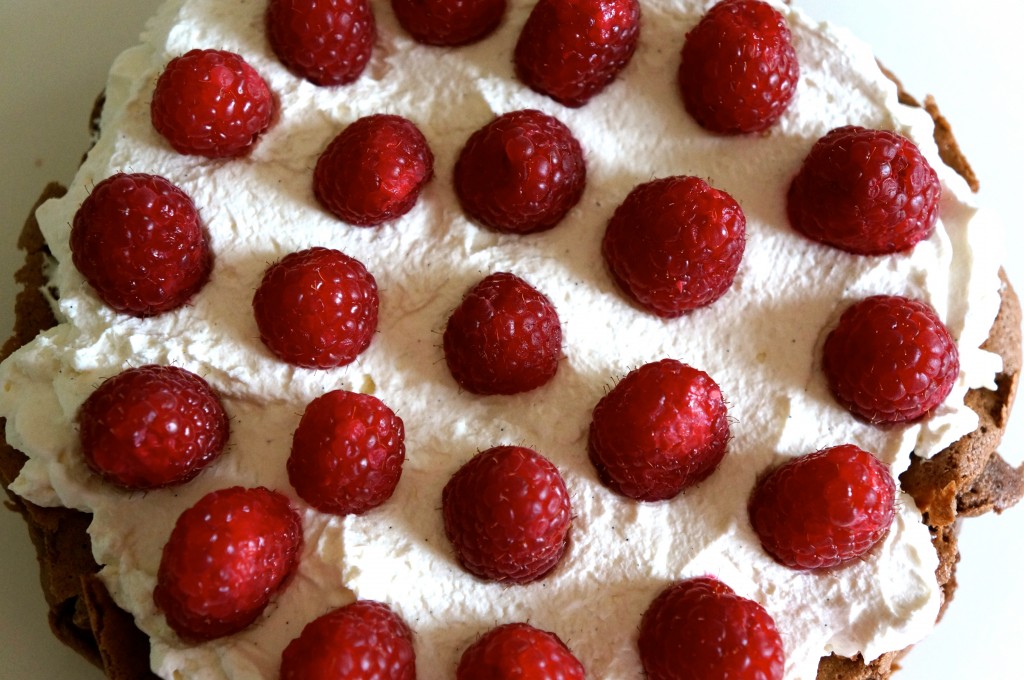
x,y
967,479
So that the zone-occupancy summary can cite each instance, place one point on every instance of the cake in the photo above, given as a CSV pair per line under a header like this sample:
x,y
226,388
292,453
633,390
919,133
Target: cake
x,y
436,192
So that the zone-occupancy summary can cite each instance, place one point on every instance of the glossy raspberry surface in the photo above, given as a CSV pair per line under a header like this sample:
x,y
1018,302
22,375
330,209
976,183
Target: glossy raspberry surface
x,y
823,509
890,359
211,103
504,337
869,192
317,308
374,170
738,71
152,426
327,42
225,559
138,241
571,50
675,244
347,453
518,651
662,428
364,640
507,515
700,629
449,22
520,173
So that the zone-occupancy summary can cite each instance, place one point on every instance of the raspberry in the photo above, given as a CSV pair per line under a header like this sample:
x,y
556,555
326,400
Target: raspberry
x,y
868,192
449,22
138,241
699,629
359,641
152,426
327,42
823,509
317,308
661,429
739,70
890,359
503,338
226,557
211,103
518,650
347,453
570,50
374,170
675,244
506,513
520,173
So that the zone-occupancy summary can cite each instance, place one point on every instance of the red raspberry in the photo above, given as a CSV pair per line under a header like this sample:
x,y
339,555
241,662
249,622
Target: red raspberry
x,y
347,453
739,70
823,509
211,103
869,192
503,338
675,244
449,22
138,241
890,359
662,429
317,308
570,50
327,42
520,173
152,426
359,641
507,514
699,629
374,170
518,650
226,557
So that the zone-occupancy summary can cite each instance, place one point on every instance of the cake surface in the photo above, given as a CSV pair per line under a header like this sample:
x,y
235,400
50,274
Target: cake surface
x,y
437,186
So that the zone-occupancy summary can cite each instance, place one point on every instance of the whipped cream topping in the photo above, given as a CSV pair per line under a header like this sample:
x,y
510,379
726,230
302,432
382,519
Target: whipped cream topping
x,y
761,342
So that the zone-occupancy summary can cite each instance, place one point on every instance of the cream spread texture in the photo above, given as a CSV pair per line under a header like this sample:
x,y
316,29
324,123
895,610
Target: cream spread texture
x,y
761,342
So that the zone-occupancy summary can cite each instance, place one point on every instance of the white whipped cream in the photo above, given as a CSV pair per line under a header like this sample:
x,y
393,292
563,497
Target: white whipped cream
x,y
760,342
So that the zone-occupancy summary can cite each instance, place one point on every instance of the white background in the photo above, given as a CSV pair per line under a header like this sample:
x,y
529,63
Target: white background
x,y
54,55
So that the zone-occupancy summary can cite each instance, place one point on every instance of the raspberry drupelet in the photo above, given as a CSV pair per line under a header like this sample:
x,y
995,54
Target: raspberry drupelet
x,y
823,509
518,650
507,515
138,241
327,42
211,103
152,426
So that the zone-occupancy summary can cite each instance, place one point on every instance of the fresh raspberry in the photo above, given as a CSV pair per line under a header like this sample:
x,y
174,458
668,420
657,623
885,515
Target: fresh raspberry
x,y
890,359
739,70
225,559
317,308
449,22
823,509
211,103
570,50
152,426
661,429
347,453
520,173
519,651
869,192
361,641
503,338
507,514
327,42
699,629
138,241
374,170
675,244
